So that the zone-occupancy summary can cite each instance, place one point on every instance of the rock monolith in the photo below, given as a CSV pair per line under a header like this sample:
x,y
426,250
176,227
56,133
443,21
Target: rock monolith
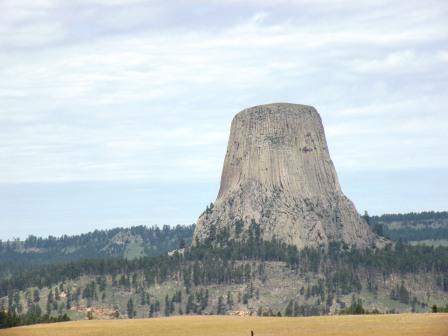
x,y
278,175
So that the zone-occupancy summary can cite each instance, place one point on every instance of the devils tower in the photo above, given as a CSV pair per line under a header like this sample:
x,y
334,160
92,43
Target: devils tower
x,y
279,175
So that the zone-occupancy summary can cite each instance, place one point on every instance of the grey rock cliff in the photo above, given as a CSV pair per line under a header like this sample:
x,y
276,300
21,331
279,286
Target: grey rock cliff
x,y
278,173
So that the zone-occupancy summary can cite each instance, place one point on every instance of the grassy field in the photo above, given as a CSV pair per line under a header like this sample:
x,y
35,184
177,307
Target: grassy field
x,y
384,325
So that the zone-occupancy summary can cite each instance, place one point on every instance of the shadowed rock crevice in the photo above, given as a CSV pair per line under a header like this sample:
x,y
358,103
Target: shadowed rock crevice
x,y
278,174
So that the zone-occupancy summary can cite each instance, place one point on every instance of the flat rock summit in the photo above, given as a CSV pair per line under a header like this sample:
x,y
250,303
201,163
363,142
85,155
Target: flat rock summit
x,y
278,174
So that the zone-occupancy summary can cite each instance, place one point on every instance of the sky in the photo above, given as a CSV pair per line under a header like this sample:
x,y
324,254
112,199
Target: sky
x,y
117,113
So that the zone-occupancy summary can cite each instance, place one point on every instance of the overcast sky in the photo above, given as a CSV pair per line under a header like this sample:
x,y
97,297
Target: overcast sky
x,y
117,113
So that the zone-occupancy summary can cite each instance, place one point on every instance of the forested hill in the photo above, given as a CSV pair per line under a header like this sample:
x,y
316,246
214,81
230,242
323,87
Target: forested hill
x,y
142,241
412,226
245,277
129,243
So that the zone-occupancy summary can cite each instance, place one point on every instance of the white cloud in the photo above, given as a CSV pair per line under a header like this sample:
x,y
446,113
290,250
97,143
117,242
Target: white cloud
x,y
91,91
33,35
141,93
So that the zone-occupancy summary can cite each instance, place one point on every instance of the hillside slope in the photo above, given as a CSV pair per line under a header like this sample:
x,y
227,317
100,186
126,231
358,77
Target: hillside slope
x,y
425,227
129,243
257,278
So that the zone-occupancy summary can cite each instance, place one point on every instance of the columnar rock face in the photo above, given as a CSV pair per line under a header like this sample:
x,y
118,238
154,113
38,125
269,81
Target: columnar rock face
x,y
278,174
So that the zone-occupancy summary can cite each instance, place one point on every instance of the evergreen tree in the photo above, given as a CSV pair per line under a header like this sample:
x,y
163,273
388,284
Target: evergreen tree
x,y
142,297
289,311
189,308
36,296
167,306
130,309
229,299
68,303
49,302
221,308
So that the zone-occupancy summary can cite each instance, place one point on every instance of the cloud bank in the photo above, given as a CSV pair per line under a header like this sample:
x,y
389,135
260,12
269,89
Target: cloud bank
x,y
145,90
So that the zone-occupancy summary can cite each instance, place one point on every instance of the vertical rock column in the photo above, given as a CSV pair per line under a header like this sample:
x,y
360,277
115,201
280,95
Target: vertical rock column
x,y
278,174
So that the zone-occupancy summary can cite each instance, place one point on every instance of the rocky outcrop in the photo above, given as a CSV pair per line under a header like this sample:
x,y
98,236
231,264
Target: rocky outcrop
x,y
279,176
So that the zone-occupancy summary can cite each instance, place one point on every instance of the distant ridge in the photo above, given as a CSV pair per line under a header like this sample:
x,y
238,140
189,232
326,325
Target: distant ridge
x,y
129,243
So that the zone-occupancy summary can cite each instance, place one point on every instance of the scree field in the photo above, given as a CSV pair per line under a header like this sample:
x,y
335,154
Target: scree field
x,y
384,325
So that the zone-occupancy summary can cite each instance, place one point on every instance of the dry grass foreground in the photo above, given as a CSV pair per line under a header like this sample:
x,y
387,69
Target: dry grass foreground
x,y
384,325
